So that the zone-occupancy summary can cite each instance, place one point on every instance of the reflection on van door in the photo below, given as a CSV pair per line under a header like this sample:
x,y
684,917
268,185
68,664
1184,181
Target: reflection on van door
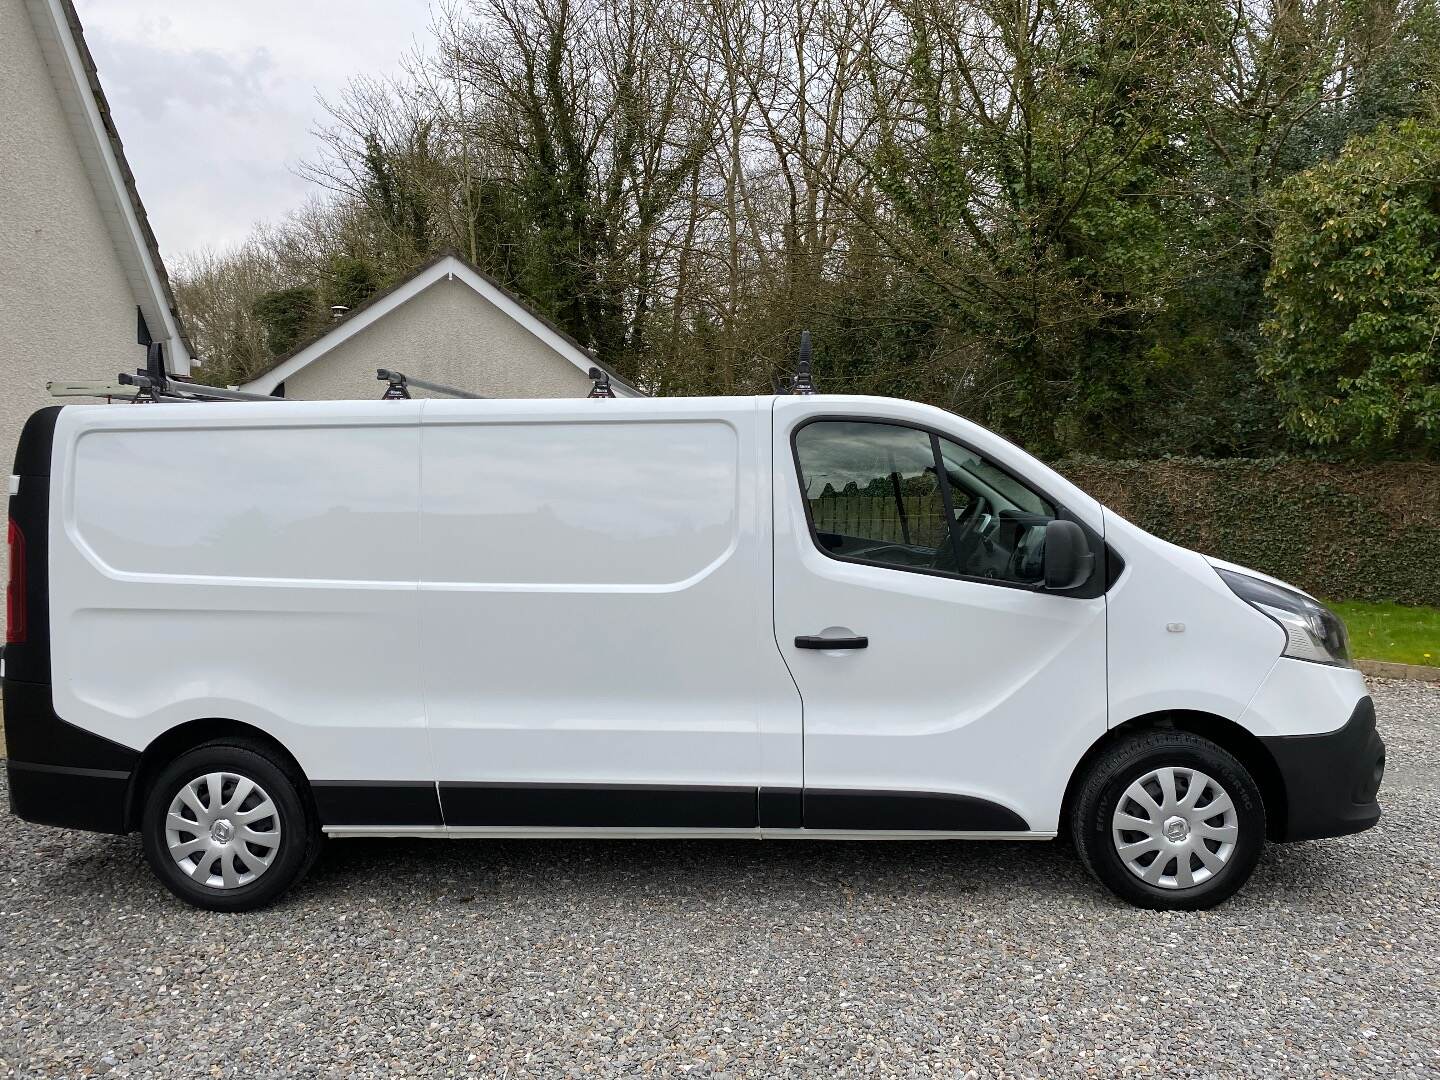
x,y
943,689
597,644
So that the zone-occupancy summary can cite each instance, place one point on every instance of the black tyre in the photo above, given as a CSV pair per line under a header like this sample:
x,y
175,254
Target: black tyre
x,y
1169,820
226,826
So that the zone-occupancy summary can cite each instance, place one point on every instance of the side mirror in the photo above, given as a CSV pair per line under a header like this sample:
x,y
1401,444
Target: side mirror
x,y
1068,558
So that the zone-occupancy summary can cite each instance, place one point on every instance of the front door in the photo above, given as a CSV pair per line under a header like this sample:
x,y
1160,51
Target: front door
x,y
943,688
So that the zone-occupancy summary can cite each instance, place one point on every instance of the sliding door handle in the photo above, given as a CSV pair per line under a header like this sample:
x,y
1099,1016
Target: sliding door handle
x,y
815,641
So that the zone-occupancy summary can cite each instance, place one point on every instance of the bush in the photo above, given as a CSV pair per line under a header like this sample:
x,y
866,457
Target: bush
x,y
1355,285
1344,532
287,315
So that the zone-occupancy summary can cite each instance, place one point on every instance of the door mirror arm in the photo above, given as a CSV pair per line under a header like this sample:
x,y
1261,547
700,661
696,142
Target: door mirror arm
x,y
1068,558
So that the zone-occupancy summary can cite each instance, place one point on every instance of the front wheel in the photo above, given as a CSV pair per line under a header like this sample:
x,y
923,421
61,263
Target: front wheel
x,y
225,827
1169,820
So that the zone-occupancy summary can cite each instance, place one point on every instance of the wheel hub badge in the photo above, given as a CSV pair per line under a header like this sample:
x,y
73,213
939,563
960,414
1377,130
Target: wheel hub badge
x,y
1177,830
222,832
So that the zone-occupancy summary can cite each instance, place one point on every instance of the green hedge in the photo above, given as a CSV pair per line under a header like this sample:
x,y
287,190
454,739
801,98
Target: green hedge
x,y
1344,532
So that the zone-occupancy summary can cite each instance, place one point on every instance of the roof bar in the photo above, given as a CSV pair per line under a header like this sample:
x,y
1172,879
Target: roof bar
x,y
400,384
601,387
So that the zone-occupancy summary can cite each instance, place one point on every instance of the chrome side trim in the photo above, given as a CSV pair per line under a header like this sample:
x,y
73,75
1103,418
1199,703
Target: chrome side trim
x,y
529,832
537,832
898,834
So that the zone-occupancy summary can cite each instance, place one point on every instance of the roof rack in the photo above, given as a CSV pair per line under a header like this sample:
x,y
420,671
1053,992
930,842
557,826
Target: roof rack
x,y
802,381
153,383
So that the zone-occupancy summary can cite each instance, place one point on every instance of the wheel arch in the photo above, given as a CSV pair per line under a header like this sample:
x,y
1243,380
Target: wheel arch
x,y
1244,745
166,747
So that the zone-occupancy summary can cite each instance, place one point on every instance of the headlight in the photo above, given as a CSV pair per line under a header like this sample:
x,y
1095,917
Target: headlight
x,y
1312,632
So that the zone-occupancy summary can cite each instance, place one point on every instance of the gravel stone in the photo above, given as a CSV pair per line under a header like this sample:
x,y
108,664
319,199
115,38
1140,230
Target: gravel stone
x,y
735,959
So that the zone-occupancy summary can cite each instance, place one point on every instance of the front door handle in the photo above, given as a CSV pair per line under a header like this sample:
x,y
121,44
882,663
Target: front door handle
x,y
815,641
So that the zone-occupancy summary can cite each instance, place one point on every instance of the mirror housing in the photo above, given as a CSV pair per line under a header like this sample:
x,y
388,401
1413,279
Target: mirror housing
x,y
1068,558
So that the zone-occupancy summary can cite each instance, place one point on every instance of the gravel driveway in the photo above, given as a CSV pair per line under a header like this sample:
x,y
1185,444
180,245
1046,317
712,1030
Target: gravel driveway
x,y
440,958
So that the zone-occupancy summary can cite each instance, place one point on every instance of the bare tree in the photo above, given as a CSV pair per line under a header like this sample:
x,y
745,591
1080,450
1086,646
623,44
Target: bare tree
x,y
217,291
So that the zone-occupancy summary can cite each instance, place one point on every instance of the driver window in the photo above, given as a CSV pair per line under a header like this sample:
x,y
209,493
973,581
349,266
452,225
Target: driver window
x,y
1002,534
874,494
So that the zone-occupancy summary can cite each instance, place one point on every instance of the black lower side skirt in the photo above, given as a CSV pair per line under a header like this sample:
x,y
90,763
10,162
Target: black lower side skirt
x,y
618,806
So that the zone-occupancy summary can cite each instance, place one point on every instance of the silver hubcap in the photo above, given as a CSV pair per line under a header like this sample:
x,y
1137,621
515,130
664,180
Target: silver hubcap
x,y
1175,828
223,830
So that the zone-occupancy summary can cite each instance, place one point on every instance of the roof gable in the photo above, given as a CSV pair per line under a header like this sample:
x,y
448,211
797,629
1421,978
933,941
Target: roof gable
x,y
73,73
380,305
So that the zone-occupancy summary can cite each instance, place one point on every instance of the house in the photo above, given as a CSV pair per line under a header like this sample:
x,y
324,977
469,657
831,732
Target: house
x,y
449,323
82,286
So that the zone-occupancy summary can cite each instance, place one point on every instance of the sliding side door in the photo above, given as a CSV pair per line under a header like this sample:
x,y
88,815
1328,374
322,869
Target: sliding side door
x,y
596,624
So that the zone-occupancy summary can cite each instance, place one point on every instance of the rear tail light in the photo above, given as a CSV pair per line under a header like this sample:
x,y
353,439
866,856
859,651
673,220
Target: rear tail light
x,y
15,590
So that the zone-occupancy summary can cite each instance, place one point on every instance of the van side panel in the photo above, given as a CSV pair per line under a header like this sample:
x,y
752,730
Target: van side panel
x,y
252,563
596,615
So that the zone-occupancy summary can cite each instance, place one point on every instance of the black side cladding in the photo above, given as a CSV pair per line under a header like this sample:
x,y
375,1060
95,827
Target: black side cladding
x,y
781,808
905,811
29,661
59,774
37,442
352,802
593,806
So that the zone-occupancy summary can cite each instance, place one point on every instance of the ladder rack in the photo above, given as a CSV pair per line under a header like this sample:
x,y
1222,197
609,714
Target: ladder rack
x,y
153,383
140,388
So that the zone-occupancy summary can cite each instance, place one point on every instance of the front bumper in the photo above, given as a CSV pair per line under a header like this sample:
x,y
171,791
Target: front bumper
x,y
1331,780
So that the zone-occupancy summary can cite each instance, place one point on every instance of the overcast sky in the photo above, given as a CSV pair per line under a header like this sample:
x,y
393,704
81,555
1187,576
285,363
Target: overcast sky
x,y
215,100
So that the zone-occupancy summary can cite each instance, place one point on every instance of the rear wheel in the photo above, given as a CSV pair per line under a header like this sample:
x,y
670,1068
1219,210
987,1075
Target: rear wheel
x,y
1169,820
225,827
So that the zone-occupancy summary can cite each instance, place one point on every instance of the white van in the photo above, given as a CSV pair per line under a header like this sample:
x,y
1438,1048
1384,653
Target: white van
x,y
238,628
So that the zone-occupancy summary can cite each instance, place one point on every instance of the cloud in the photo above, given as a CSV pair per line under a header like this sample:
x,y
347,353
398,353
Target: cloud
x,y
161,84
217,102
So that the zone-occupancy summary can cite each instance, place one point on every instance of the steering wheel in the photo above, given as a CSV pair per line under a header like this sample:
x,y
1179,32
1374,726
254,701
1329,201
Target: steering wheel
x,y
969,535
